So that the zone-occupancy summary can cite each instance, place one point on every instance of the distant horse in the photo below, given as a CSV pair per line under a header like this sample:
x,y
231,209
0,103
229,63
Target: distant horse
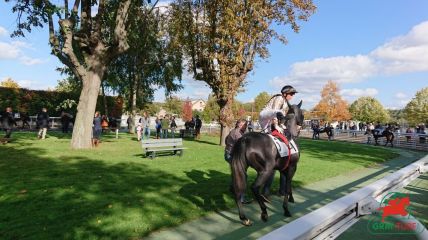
x,y
387,133
328,130
257,150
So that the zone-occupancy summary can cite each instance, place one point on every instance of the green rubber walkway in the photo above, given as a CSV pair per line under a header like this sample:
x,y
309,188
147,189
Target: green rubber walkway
x,y
226,224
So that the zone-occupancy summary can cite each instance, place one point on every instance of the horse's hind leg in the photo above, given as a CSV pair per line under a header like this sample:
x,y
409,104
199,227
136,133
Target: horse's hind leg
x,y
239,185
244,219
261,180
288,197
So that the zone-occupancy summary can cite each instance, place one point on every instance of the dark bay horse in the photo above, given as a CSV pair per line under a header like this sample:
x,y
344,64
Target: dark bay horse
x,y
387,133
257,150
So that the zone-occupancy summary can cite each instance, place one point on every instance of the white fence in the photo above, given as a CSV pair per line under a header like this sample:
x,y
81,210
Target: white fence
x,y
402,140
331,220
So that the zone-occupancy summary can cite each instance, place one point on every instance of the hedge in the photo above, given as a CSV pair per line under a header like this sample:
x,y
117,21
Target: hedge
x,y
32,101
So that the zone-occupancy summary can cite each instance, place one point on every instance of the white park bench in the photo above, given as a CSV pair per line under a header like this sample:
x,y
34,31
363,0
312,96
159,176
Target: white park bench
x,y
152,146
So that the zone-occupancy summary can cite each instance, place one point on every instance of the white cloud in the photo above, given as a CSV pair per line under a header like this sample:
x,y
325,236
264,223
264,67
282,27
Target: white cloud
x,y
355,92
400,95
34,84
31,61
9,51
3,32
14,50
407,53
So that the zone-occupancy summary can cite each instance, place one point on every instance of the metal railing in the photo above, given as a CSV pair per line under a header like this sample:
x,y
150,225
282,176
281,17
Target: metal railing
x,y
417,141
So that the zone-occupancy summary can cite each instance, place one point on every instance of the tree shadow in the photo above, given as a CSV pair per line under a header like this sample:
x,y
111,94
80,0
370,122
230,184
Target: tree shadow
x,y
199,191
82,198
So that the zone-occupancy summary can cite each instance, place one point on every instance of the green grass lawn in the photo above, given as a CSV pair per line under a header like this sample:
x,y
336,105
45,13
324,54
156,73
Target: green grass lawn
x,y
48,191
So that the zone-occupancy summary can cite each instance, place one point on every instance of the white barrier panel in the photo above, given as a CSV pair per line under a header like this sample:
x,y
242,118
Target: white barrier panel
x,y
344,211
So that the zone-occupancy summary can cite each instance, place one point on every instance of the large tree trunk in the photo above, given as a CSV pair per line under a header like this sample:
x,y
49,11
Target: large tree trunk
x,y
226,118
133,104
82,130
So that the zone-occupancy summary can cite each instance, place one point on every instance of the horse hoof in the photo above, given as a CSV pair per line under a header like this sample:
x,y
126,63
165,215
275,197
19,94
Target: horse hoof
x,y
265,199
264,217
291,199
287,213
247,222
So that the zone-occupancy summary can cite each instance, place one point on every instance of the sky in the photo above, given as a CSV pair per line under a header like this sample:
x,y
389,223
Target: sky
x,y
376,48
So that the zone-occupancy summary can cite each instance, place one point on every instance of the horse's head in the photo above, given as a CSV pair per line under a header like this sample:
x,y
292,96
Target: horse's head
x,y
294,118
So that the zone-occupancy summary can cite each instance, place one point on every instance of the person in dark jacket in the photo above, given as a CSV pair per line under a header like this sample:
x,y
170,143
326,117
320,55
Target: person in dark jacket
x,y
65,121
8,121
43,123
198,126
25,118
97,129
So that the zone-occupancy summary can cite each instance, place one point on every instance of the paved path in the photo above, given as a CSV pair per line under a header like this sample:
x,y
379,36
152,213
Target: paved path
x,y
226,224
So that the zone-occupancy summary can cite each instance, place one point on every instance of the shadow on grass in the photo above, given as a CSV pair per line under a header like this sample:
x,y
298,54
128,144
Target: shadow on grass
x,y
82,198
199,191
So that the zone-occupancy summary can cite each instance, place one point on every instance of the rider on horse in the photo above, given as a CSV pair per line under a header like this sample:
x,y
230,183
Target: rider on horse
x,y
276,107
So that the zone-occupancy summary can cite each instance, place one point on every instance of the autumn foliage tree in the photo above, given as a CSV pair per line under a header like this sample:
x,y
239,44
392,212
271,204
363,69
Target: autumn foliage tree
x,y
187,111
331,106
222,39
9,83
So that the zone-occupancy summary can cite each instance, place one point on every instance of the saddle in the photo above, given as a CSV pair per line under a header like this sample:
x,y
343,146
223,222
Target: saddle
x,y
283,148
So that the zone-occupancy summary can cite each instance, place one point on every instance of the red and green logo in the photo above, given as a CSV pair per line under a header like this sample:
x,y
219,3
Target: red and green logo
x,y
394,216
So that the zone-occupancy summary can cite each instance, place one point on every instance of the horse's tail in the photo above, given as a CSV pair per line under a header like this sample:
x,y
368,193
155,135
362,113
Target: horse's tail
x,y
239,167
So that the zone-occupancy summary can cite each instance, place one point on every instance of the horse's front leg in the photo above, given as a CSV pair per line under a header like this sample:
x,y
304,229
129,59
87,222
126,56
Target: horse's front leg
x,y
288,197
260,181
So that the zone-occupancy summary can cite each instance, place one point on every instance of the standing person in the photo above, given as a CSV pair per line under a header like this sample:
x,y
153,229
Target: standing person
x,y
276,106
165,126
250,126
231,139
173,126
158,127
97,129
198,126
43,123
139,130
104,124
65,121
25,118
8,120
145,125
129,122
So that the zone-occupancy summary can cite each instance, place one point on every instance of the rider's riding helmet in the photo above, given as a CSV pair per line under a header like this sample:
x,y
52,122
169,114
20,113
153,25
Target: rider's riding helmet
x,y
288,89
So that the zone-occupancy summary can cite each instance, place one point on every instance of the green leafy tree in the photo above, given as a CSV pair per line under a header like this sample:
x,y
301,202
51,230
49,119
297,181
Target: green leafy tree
x,y
260,101
368,109
416,111
222,39
212,110
173,105
84,42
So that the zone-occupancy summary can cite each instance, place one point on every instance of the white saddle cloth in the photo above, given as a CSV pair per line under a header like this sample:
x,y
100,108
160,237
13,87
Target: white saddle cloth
x,y
282,147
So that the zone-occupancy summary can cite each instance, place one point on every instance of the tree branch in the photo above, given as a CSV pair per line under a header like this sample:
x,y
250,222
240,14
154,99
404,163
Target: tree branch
x,y
66,9
120,33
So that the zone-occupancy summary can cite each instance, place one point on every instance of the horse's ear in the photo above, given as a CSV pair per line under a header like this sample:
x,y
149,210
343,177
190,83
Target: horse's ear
x,y
300,103
288,104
